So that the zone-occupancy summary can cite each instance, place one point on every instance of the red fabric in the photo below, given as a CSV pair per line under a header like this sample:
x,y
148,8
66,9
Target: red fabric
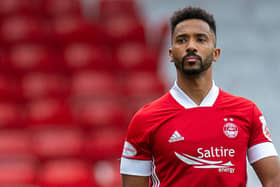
x,y
212,141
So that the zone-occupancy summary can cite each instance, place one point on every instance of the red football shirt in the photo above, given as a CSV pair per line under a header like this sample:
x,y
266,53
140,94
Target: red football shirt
x,y
178,143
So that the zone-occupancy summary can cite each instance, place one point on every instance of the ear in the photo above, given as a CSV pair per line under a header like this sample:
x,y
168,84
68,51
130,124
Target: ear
x,y
171,59
216,54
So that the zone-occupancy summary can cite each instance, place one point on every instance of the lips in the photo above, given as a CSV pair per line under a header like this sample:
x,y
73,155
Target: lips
x,y
192,58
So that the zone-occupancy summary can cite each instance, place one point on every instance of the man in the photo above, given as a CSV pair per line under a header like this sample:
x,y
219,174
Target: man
x,y
197,135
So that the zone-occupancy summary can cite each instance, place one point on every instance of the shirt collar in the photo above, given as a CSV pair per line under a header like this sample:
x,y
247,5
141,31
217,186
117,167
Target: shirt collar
x,y
184,100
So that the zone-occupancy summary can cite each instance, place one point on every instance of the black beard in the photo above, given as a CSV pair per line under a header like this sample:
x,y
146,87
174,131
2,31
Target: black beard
x,y
204,65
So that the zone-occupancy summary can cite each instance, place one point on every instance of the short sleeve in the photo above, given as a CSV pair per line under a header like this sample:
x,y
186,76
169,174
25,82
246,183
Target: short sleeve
x,y
137,156
260,143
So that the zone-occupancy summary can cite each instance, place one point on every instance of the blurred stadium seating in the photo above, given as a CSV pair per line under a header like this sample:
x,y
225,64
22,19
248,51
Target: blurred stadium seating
x,y
69,84
73,72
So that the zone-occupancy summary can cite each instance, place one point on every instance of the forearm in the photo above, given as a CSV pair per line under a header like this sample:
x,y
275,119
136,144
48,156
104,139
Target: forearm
x,y
274,181
268,171
134,181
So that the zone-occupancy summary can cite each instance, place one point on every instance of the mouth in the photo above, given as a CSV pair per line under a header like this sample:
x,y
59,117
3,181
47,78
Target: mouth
x,y
191,59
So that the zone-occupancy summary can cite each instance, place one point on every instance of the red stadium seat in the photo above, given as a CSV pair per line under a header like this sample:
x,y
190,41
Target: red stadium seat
x,y
11,115
93,84
54,8
69,29
81,56
66,173
107,173
3,61
9,89
104,143
18,29
136,57
124,29
53,142
141,88
15,143
49,112
18,172
29,57
10,8
100,113
42,85
109,9
139,84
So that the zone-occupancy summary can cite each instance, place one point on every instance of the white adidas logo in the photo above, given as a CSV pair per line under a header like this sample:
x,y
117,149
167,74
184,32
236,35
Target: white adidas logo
x,y
176,136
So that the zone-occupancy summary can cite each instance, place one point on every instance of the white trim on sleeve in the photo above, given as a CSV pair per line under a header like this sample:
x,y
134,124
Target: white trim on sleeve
x,y
136,167
260,151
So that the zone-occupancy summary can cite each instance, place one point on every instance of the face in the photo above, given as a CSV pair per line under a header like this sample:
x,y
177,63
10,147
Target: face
x,y
193,47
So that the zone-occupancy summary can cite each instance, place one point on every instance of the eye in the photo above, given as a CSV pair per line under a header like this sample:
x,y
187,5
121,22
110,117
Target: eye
x,y
201,40
181,40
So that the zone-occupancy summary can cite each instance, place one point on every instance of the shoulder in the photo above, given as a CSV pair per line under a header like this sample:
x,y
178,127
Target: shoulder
x,y
245,108
164,103
230,100
153,113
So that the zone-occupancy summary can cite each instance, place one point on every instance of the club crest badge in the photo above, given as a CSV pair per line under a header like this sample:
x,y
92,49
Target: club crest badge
x,y
230,129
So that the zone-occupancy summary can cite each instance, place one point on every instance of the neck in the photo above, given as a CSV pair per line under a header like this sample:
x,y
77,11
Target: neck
x,y
196,87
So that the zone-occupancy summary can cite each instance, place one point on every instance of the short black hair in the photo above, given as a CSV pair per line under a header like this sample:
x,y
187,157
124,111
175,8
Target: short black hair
x,y
192,13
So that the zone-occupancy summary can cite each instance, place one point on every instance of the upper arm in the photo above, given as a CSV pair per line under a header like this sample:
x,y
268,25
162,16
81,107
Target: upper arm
x,y
136,160
262,153
135,181
268,171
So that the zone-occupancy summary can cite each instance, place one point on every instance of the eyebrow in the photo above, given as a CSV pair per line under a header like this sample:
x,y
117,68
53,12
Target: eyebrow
x,y
202,35
197,34
181,35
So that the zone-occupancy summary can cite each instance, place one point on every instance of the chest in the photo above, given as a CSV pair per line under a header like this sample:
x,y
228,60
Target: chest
x,y
204,133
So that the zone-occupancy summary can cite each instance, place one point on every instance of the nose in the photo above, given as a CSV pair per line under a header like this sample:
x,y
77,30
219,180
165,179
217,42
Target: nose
x,y
191,47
